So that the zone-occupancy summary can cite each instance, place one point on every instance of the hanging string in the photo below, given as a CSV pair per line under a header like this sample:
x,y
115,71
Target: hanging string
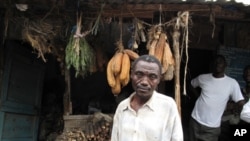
x,y
160,9
170,22
78,5
120,23
212,20
186,19
97,22
119,44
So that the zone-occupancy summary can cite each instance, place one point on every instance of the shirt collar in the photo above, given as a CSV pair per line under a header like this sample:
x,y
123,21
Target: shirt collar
x,y
150,103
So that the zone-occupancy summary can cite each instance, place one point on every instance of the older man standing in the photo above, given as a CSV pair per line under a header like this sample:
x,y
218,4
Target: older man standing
x,y
146,115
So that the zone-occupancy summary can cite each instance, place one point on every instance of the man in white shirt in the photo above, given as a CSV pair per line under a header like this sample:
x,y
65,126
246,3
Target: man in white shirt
x,y
146,115
245,113
216,90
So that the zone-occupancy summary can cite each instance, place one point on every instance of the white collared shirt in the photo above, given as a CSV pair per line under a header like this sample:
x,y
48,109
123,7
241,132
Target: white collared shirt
x,y
156,120
245,113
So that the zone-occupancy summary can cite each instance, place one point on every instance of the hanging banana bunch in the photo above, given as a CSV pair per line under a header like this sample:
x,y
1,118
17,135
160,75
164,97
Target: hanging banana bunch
x,y
118,68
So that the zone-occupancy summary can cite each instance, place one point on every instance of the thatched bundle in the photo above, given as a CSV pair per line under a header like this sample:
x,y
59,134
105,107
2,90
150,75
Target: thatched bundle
x,y
43,36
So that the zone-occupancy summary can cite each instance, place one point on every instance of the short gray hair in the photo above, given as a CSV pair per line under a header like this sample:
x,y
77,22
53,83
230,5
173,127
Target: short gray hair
x,y
147,58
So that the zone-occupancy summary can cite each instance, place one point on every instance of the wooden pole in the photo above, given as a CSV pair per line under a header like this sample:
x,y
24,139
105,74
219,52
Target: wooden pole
x,y
66,97
176,50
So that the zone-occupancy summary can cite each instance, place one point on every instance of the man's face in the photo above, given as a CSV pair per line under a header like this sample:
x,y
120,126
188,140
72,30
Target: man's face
x,y
219,65
145,77
247,75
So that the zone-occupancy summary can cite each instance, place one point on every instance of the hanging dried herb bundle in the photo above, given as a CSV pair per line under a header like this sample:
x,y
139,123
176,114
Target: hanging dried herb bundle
x,y
79,53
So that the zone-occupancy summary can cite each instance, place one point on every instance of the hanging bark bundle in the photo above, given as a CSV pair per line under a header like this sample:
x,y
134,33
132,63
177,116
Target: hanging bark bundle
x,y
158,46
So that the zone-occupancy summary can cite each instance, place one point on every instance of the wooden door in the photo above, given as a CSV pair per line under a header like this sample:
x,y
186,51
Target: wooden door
x,y
20,94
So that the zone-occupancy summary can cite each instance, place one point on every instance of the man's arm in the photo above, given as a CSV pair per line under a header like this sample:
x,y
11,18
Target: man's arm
x,y
245,113
195,91
241,104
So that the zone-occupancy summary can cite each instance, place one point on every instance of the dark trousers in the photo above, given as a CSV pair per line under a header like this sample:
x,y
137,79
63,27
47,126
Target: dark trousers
x,y
199,132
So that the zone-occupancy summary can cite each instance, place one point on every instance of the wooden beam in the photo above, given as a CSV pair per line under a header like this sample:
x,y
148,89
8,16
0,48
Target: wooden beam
x,y
174,7
164,7
127,14
148,10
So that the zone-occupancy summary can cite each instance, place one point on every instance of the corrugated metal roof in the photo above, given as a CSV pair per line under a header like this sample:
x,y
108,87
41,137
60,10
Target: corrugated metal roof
x,y
146,8
163,1
225,3
143,8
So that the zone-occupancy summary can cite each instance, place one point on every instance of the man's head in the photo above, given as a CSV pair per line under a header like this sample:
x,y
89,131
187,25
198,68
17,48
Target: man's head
x,y
219,64
145,75
246,74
